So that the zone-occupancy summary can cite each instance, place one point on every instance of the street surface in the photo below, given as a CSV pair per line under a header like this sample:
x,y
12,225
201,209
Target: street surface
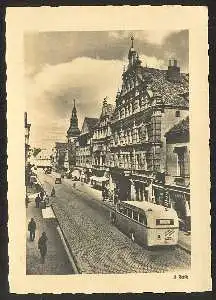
x,y
98,246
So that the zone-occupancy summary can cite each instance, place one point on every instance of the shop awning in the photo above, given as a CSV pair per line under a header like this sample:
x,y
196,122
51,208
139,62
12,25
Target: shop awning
x,y
99,179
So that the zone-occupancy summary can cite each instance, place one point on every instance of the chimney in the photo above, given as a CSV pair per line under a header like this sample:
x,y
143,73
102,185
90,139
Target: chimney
x,y
173,72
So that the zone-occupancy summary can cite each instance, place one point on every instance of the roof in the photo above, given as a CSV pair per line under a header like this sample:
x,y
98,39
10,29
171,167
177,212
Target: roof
x,y
182,128
91,122
157,84
145,206
88,126
59,145
43,154
172,93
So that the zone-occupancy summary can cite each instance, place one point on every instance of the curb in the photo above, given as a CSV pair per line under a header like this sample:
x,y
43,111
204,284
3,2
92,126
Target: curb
x,y
75,266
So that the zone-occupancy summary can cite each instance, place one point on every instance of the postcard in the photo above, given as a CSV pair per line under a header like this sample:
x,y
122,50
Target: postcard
x,y
108,158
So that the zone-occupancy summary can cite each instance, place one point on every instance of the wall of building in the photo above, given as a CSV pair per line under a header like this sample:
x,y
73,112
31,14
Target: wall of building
x,y
168,120
171,162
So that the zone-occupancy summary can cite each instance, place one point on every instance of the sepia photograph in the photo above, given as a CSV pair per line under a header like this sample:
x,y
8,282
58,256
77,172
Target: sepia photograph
x,y
108,153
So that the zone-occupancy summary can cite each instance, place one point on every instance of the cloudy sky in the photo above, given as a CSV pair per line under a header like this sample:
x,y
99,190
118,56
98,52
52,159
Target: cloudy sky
x,y
86,66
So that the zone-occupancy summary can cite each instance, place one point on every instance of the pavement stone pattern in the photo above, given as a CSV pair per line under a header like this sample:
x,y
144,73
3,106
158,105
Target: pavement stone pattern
x,y
56,262
100,247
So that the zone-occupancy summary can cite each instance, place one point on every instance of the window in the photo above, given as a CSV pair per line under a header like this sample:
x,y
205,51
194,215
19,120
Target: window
x,y
178,113
121,208
180,164
180,151
129,212
135,215
142,219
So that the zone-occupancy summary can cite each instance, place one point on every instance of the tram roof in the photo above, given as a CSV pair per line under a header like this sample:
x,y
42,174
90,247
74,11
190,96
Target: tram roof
x,y
144,205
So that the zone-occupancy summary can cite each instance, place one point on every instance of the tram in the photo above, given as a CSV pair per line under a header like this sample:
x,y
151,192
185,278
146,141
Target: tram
x,y
147,223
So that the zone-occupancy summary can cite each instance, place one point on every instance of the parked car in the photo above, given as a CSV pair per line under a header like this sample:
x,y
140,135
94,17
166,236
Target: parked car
x,y
48,171
68,175
58,179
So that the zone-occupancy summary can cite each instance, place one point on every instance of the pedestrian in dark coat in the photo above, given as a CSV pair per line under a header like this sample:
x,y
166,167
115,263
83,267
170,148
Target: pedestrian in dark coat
x,y
42,246
41,194
53,192
37,201
32,229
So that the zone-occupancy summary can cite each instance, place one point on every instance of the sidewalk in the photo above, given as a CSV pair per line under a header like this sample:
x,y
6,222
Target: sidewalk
x,y
57,262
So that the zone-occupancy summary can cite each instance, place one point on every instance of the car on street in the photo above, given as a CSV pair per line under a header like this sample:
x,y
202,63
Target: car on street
x,y
48,171
58,179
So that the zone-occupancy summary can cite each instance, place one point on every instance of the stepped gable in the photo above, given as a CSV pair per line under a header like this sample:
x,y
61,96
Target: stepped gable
x,y
170,86
182,128
107,109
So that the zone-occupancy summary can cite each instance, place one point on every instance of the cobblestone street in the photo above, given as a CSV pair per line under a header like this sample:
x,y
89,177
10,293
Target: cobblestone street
x,y
100,247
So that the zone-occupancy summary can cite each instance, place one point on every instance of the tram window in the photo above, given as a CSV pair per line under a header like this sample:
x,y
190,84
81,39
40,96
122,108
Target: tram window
x,y
121,209
124,211
142,219
129,213
135,215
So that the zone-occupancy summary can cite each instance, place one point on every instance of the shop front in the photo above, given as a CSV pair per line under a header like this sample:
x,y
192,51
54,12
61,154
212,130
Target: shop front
x,y
180,201
122,183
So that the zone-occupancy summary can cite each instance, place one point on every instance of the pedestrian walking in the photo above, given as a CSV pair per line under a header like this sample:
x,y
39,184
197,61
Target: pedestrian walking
x,y
53,192
41,194
42,246
37,201
46,200
32,229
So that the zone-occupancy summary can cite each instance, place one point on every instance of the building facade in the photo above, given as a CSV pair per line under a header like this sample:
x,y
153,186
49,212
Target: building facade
x,y
177,181
101,140
27,135
27,127
133,142
59,156
84,147
149,103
